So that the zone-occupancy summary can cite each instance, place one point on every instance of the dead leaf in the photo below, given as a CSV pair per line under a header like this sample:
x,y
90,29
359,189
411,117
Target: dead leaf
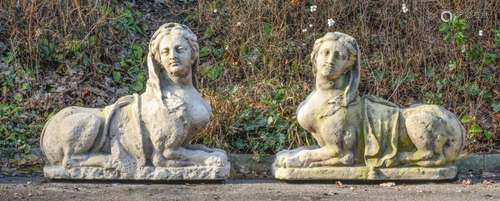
x,y
488,182
340,184
466,182
388,184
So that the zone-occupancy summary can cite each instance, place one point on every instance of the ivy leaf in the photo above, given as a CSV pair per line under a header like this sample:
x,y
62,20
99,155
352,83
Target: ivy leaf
x,y
490,58
473,89
459,38
267,29
467,119
138,85
497,37
475,129
213,72
488,135
137,52
116,76
496,106
204,52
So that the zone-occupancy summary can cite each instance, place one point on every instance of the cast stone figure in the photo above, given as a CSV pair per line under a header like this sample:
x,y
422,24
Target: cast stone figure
x,y
367,132
144,136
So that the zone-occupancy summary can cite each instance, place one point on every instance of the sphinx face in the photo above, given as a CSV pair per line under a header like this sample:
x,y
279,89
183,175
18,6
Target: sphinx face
x,y
175,55
333,60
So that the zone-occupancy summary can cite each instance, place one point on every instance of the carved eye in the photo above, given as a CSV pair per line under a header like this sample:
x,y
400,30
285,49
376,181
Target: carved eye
x,y
180,49
336,55
326,52
165,51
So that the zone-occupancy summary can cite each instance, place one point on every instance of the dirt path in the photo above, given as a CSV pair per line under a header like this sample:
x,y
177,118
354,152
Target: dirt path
x,y
23,188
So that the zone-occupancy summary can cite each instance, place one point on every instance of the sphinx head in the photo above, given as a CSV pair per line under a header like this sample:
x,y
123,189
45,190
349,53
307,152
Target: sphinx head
x,y
333,55
173,52
336,57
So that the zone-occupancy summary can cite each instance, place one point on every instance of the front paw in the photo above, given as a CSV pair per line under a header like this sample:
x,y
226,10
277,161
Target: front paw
x,y
158,160
67,163
216,159
295,161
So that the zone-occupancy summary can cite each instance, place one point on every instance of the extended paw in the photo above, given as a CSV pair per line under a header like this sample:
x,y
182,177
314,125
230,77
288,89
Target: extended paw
x,y
295,161
214,161
158,160
328,162
67,163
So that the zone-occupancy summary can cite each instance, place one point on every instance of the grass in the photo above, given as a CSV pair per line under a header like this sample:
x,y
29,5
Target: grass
x,y
255,62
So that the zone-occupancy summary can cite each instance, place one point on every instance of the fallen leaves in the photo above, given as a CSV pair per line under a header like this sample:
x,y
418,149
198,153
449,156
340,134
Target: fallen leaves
x,y
388,184
467,182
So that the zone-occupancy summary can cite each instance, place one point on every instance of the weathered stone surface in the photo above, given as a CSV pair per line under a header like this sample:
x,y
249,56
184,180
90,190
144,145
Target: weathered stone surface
x,y
356,134
365,173
144,136
146,173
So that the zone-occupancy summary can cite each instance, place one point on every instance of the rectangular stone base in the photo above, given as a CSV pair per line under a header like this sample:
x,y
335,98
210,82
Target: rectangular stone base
x,y
145,173
364,173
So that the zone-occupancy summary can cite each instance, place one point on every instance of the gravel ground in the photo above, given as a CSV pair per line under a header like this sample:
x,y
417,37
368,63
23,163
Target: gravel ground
x,y
36,188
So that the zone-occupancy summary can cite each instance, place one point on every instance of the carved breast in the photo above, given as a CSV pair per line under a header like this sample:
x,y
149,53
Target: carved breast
x,y
198,111
314,110
306,114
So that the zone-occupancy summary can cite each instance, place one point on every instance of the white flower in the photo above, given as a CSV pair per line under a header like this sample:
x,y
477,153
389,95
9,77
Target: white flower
x,y
215,10
404,8
331,22
313,8
304,30
480,33
310,25
238,23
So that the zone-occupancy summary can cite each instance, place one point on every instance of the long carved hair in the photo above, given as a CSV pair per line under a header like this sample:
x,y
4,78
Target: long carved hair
x,y
352,46
158,77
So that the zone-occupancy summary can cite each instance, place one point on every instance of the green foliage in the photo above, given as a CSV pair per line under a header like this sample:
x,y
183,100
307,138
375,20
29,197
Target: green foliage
x,y
496,106
213,72
267,29
47,49
8,58
209,32
475,53
473,89
204,52
497,37
128,70
8,83
13,134
428,72
490,58
378,75
433,98
117,76
126,20
475,131
73,45
138,84
266,128
454,30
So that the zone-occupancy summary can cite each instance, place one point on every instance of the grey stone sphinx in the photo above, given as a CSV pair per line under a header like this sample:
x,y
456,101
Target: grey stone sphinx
x,y
366,138
140,137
